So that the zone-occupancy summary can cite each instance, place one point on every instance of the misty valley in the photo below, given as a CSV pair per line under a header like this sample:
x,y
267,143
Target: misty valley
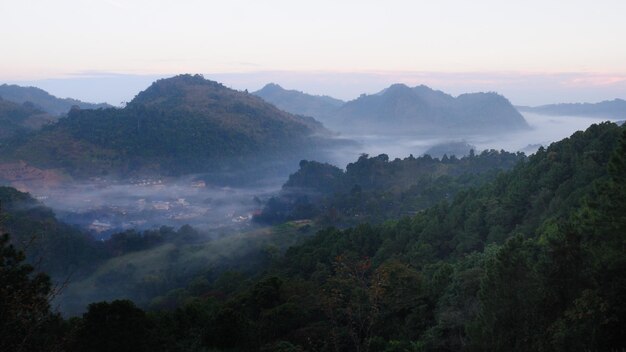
x,y
197,217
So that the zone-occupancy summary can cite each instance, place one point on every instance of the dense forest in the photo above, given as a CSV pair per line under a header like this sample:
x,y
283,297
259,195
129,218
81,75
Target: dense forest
x,y
531,259
375,189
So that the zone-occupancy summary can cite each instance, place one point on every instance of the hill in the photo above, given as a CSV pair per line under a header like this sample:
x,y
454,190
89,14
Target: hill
x,y
533,259
375,189
320,107
59,249
44,100
609,109
401,109
178,125
17,119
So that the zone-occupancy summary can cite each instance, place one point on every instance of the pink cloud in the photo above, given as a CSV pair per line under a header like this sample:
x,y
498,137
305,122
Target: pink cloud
x,y
594,80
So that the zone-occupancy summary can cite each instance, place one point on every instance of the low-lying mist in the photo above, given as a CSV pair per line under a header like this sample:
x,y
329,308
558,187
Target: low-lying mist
x,y
222,215
544,130
104,207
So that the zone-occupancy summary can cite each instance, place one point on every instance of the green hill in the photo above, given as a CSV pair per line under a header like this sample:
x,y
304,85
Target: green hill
x,y
58,249
178,125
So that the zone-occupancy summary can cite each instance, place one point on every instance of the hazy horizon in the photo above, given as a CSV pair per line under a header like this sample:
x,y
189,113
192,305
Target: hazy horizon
x,y
530,89
532,52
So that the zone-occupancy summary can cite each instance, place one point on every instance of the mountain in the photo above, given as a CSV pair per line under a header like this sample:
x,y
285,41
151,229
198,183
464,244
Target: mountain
x,y
44,100
17,119
610,109
320,107
178,125
400,108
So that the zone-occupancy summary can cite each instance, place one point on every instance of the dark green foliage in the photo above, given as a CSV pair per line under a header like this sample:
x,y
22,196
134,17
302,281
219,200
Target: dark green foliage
x,y
532,261
374,189
26,321
115,326
438,282
61,249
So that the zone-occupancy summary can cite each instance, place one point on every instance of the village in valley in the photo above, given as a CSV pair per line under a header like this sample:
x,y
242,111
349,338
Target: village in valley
x,y
104,207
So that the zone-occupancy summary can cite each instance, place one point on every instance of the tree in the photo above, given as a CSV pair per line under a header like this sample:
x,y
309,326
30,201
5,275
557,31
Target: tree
x,y
116,326
26,321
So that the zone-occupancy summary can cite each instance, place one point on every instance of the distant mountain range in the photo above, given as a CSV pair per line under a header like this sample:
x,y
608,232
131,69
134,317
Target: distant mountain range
x,y
178,125
16,119
610,109
321,107
402,109
44,100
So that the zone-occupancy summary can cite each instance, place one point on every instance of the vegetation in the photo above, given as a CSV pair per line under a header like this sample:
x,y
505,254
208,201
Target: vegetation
x,y
533,260
27,323
19,119
374,189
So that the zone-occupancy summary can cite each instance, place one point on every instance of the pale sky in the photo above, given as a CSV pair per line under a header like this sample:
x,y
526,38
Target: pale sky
x,y
403,40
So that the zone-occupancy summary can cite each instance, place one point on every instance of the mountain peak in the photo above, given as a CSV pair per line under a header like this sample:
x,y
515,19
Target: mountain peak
x,y
270,87
185,87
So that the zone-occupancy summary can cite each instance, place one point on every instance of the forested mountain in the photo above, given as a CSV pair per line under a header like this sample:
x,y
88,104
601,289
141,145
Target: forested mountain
x,y
401,109
608,109
533,260
44,100
16,119
321,107
420,109
376,189
178,125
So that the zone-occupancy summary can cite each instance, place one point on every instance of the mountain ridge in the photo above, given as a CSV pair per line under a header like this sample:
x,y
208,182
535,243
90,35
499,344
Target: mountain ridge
x,y
423,109
44,100
615,109
403,109
297,102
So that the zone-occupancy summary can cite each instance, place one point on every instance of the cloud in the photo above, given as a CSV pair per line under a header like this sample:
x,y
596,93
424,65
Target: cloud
x,y
595,80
